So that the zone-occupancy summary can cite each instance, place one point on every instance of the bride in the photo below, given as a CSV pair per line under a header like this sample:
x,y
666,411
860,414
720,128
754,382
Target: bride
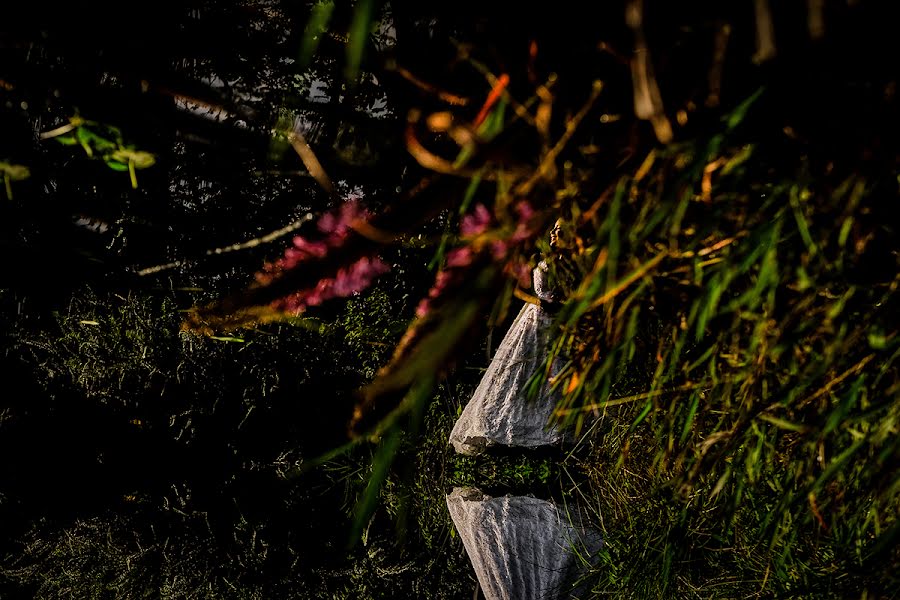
x,y
500,411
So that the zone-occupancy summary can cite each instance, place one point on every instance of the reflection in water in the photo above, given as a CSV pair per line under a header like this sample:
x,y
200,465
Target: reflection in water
x,y
521,547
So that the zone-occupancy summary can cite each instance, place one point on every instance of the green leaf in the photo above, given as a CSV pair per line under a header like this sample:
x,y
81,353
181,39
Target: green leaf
x,y
845,231
738,159
802,225
686,430
785,424
708,306
102,144
838,414
803,280
381,463
646,411
768,273
837,307
493,124
470,191
877,340
837,463
84,137
115,165
139,158
142,159
612,227
15,172
734,118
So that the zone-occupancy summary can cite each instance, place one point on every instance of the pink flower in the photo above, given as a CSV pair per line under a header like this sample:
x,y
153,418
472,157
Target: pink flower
x,y
308,248
442,281
358,276
520,271
460,257
476,222
338,222
524,228
499,248
525,210
335,227
347,281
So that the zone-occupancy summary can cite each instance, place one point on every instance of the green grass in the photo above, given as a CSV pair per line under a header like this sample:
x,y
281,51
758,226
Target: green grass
x,y
746,386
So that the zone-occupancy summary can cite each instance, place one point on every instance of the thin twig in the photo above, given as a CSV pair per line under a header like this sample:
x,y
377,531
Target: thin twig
x,y
312,164
442,95
524,188
265,239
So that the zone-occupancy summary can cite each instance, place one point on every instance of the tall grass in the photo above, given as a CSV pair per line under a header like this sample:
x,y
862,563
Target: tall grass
x,y
741,356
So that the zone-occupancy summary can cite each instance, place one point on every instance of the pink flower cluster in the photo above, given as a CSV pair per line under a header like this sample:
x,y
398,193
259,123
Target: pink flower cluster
x,y
473,225
348,280
334,227
476,222
457,260
481,219
356,276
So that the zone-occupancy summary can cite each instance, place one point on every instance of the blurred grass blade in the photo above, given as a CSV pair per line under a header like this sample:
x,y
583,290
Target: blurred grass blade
x,y
315,29
802,225
359,36
735,117
381,464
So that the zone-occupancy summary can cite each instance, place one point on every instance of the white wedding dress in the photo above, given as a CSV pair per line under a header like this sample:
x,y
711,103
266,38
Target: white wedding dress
x,y
523,548
499,411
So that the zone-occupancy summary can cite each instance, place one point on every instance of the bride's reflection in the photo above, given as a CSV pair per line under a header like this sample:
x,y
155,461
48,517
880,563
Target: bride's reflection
x,y
521,547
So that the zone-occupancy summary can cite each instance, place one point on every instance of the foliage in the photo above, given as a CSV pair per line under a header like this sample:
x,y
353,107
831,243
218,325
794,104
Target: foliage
x,y
174,429
111,356
103,142
773,404
12,172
